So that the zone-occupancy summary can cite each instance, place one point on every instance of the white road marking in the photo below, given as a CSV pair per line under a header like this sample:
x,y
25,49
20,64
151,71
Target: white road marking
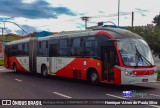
x,y
157,84
154,95
18,80
62,95
115,96
156,106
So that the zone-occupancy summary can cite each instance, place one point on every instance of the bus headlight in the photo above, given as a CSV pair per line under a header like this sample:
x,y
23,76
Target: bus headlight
x,y
128,73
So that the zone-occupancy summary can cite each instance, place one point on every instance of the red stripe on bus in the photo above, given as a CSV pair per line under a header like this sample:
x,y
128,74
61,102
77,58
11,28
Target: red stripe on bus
x,y
104,33
77,69
117,76
143,72
13,60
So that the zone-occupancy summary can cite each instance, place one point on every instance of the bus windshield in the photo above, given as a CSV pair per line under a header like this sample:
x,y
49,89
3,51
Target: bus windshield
x,y
135,52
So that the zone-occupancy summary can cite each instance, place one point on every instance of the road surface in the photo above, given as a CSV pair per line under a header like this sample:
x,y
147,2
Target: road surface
x,y
27,86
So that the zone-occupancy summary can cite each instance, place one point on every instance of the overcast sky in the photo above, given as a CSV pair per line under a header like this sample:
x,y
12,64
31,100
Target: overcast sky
x,y
63,15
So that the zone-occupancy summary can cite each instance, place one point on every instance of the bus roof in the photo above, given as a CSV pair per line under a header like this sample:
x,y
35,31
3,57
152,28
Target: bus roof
x,y
116,33
18,41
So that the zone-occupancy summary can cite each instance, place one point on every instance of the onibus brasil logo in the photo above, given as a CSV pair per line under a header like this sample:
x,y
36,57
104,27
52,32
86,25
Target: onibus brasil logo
x,y
134,93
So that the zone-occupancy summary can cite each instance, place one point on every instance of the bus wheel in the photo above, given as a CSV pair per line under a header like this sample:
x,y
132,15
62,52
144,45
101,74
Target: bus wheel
x,y
14,67
93,77
44,71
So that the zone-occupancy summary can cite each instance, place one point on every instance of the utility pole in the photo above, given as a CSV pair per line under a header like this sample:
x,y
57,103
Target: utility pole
x,y
2,30
132,20
118,11
86,19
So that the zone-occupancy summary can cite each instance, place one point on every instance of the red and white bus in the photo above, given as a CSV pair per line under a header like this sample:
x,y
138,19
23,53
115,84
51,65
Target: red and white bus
x,y
108,55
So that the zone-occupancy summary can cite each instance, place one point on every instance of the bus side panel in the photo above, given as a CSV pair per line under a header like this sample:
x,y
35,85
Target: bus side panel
x,y
14,60
117,76
63,67
24,61
78,68
81,65
6,61
41,61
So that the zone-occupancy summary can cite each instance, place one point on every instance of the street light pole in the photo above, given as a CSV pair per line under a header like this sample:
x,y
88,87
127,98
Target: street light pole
x,y
86,19
17,26
118,11
2,30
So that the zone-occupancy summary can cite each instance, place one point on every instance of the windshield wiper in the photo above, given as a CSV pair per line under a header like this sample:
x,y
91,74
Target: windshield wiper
x,y
139,55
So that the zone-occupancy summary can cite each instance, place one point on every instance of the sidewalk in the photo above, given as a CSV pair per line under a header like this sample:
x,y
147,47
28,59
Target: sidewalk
x,y
1,67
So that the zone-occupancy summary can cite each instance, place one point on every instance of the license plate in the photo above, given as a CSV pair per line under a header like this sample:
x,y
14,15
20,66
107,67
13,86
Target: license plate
x,y
144,80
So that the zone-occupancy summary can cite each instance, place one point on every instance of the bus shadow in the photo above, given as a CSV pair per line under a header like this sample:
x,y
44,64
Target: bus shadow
x,y
127,87
139,87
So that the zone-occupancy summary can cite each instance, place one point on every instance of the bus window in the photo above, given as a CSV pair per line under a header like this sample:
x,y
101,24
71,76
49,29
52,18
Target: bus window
x,y
91,48
20,50
9,50
63,48
25,50
46,44
63,43
63,52
42,50
53,50
76,42
6,50
39,44
76,47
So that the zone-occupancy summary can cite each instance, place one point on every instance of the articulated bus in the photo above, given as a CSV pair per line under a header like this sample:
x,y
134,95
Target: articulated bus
x,y
103,54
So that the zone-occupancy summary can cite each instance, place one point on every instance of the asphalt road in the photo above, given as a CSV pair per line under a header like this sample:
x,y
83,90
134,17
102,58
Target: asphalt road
x,y
27,86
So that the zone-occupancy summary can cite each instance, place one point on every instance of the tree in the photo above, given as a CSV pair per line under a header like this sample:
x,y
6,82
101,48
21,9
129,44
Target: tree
x,y
156,20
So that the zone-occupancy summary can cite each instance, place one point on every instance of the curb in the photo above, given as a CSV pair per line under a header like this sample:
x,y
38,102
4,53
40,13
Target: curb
x,y
1,67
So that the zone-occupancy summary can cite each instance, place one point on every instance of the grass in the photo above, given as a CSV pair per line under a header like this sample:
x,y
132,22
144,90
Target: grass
x,y
9,38
158,74
1,62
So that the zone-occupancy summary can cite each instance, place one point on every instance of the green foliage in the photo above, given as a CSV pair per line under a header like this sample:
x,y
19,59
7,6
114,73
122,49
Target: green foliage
x,y
156,20
9,38
158,73
1,62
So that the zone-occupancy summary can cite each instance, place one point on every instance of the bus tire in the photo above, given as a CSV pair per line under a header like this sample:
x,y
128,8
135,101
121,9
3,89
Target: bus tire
x,y
93,77
15,68
44,71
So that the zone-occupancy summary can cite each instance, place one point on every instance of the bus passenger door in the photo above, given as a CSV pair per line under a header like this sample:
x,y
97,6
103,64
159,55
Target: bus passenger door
x,y
108,63
53,58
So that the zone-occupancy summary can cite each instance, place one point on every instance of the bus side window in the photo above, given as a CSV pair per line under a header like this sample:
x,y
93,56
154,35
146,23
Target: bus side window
x,y
39,44
20,50
63,47
90,48
9,49
25,50
46,44
53,50
43,48
76,47
14,51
